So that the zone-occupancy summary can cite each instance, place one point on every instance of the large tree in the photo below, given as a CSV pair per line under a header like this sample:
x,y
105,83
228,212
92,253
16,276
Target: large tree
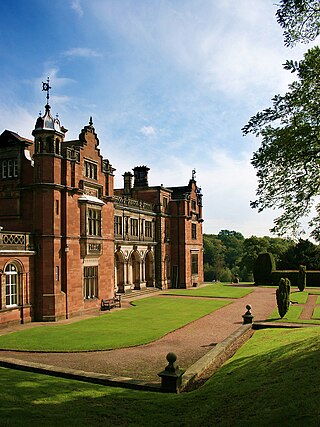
x,y
300,20
288,160
253,246
303,253
213,257
233,241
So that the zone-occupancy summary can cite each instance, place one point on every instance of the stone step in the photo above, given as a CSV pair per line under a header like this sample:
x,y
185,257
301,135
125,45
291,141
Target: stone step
x,y
139,293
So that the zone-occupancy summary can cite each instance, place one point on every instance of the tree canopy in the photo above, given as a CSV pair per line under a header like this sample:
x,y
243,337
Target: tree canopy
x,y
219,265
300,20
288,160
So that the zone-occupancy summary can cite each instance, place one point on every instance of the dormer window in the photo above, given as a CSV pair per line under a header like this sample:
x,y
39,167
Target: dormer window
x,y
90,170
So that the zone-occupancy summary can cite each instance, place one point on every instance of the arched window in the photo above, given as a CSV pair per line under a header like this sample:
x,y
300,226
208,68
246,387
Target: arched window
x,y
11,273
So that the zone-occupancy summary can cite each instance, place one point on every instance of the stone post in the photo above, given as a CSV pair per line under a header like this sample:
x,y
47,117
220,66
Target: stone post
x,y
171,377
248,317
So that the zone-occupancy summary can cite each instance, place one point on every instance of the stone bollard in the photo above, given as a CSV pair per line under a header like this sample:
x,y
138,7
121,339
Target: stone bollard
x,y
248,317
171,377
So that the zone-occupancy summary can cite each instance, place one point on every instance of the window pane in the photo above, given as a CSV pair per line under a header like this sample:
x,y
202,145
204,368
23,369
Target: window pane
x,y
11,285
4,168
194,231
94,222
15,168
90,282
194,263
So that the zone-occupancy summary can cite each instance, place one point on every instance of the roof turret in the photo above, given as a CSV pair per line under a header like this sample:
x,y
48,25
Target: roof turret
x,y
47,122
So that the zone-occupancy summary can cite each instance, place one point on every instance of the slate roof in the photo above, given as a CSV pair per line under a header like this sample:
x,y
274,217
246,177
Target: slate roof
x,y
8,138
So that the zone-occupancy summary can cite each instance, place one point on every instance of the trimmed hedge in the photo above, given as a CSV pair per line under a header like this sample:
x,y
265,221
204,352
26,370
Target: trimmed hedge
x,y
263,268
312,277
265,273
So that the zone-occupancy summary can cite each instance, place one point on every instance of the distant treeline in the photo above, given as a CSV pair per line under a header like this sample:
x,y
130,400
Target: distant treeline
x,y
228,255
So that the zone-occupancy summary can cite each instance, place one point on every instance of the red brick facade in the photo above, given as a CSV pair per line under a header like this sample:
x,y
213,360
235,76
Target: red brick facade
x,y
68,239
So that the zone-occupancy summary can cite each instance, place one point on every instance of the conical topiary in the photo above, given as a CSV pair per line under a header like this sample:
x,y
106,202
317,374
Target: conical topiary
x,y
283,296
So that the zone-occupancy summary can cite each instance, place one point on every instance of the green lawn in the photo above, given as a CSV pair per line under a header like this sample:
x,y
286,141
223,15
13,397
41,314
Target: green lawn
x,y
293,315
148,320
299,297
213,290
271,381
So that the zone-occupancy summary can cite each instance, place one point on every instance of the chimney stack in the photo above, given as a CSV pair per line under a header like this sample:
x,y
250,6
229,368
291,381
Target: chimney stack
x,y
141,176
127,183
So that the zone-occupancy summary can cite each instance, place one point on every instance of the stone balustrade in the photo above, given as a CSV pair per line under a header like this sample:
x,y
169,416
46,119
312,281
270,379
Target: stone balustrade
x,y
16,241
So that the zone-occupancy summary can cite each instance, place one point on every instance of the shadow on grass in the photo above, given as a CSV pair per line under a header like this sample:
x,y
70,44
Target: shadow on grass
x,y
273,385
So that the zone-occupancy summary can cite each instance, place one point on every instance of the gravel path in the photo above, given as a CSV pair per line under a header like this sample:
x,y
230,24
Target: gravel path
x,y
189,343
309,307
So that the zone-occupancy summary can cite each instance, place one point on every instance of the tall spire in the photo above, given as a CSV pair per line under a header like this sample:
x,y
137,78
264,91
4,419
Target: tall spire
x,y
46,88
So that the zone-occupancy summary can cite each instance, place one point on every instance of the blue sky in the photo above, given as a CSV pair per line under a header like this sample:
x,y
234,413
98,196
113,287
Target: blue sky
x,y
169,84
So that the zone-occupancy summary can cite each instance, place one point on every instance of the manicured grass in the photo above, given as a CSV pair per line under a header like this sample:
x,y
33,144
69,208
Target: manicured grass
x,y
293,315
316,313
150,319
299,297
213,290
271,381
314,291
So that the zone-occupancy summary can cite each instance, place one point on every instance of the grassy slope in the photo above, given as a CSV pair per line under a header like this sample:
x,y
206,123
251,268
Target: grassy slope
x,y
150,319
272,380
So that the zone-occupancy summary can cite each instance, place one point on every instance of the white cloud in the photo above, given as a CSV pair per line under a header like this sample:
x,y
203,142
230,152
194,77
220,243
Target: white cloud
x,y
227,46
17,119
76,6
227,184
55,80
148,131
82,52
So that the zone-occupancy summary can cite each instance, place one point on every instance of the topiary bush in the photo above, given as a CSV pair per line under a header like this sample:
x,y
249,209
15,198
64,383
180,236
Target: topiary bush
x,y
263,268
283,296
302,277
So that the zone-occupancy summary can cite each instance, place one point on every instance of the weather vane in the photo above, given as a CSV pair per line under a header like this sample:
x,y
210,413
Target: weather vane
x,y
193,174
46,87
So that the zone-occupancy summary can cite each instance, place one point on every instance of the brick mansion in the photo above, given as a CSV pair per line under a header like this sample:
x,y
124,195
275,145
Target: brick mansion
x,y
68,238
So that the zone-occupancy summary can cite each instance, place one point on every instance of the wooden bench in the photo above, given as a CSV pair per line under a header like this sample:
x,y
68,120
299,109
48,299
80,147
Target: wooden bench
x,y
109,303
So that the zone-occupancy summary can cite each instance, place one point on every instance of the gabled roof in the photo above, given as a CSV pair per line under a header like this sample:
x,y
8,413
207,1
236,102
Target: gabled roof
x,y
182,192
11,138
